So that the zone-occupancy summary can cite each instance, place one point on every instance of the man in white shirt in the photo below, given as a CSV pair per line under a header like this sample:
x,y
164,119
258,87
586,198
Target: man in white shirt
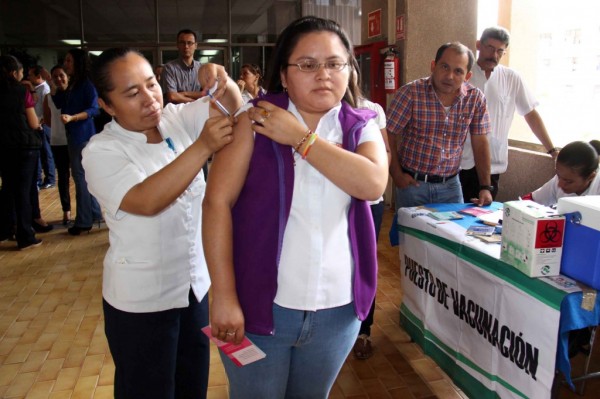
x,y
505,92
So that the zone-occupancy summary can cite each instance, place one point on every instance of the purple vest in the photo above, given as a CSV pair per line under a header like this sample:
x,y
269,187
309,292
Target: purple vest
x,y
260,216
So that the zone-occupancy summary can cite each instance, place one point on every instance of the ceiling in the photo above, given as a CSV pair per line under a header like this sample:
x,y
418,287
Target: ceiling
x,y
47,22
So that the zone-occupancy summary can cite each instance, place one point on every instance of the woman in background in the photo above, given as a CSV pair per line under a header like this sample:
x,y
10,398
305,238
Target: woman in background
x,y
58,140
576,174
20,144
79,105
249,82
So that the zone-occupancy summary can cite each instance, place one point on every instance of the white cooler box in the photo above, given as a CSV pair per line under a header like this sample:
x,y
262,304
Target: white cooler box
x,y
581,248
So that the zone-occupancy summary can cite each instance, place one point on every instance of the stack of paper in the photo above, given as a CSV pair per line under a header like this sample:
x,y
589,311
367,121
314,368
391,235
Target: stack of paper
x,y
448,215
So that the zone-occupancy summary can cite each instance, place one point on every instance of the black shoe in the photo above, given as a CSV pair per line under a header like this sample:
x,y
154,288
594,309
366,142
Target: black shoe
x,y
40,228
46,185
35,243
76,230
579,341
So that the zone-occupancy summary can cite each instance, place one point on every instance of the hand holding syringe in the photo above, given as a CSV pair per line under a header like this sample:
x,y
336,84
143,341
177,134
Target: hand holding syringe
x,y
217,102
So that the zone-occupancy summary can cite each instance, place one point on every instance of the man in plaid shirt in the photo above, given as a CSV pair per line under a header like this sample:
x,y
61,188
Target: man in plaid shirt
x,y
428,122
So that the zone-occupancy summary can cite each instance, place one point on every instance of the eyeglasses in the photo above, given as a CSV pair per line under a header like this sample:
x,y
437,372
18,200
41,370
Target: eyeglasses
x,y
499,51
187,44
312,66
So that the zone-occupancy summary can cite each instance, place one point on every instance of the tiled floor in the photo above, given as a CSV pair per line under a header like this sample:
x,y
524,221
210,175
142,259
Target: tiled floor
x,y
52,342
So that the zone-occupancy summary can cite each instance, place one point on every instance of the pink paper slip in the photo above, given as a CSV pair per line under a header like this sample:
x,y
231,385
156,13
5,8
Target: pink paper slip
x,y
475,211
242,354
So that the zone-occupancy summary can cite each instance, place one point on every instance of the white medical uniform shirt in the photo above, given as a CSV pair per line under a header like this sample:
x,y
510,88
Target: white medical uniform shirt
x,y
549,193
152,260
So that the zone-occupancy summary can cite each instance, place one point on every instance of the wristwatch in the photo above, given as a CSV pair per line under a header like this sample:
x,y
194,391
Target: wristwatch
x,y
489,188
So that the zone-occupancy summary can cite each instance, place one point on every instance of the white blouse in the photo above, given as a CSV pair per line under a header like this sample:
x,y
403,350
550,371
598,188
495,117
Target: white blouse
x,y
58,133
316,266
549,193
152,260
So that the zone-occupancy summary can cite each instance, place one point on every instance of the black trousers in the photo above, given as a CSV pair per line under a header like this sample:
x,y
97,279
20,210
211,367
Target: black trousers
x,y
470,184
63,167
159,355
19,202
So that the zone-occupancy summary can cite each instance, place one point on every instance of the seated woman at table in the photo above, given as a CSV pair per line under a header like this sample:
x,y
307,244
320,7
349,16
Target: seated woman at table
x,y
576,174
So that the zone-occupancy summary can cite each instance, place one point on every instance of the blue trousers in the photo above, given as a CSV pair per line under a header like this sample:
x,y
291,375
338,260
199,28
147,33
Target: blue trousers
x,y
304,356
88,209
159,355
430,193
46,160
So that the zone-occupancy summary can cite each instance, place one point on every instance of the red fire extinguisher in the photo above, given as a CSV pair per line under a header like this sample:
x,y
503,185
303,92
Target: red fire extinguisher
x,y
391,71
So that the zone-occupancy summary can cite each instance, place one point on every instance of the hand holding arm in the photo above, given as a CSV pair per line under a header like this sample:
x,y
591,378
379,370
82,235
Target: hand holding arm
x,y
159,190
362,174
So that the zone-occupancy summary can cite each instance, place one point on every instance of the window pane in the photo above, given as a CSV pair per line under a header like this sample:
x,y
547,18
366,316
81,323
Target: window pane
x,y
58,21
131,21
557,52
261,22
207,18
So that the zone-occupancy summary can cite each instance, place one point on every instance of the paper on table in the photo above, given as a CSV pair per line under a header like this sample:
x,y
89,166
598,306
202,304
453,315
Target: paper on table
x,y
475,211
447,215
562,282
492,219
242,354
480,230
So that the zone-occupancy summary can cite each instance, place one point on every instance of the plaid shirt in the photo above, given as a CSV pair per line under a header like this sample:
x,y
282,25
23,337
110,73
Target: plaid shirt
x,y
431,139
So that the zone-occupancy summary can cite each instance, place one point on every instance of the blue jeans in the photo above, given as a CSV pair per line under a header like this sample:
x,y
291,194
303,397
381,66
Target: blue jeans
x,y
430,193
304,356
46,160
88,209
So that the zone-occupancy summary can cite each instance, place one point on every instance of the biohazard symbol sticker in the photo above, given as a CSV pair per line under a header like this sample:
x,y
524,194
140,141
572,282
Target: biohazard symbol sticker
x,y
550,233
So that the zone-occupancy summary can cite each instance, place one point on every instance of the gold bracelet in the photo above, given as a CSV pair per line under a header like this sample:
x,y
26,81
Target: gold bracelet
x,y
299,145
